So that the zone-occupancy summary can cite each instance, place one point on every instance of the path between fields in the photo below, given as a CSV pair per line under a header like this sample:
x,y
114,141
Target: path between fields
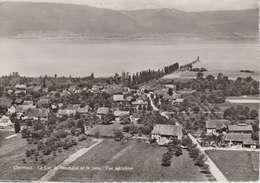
x,y
213,168
68,161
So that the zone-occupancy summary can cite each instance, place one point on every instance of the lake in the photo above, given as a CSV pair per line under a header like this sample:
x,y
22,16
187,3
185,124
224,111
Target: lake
x,y
35,57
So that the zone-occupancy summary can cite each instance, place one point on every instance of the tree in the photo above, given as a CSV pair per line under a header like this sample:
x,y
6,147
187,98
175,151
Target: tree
x,y
178,150
253,114
17,127
200,160
81,126
199,75
170,91
196,109
166,160
108,118
77,115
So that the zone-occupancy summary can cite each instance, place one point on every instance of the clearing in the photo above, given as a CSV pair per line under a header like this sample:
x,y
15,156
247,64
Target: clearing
x,y
235,165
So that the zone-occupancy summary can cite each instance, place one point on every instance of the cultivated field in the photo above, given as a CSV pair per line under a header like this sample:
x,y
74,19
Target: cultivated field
x,y
236,165
13,159
143,161
186,75
104,130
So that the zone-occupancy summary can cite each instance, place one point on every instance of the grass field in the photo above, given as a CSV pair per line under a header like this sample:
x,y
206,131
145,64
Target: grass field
x,y
14,158
235,165
144,160
104,130
186,75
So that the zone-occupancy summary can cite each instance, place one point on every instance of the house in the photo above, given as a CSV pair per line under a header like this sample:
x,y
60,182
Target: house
x,y
239,139
28,102
22,109
43,102
5,123
178,100
11,110
162,133
36,113
72,89
18,101
20,87
5,102
83,110
139,103
240,128
37,88
10,91
102,110
73,107
170,86
216,125
118,98
66,112
118,114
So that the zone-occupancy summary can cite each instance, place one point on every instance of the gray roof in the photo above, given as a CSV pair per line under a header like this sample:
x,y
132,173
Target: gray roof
x,y
121,113
171,130
239,137
102,110
118,97
238,128
5,102
217,123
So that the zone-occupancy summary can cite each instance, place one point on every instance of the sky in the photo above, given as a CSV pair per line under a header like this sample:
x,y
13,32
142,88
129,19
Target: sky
x,y
185,5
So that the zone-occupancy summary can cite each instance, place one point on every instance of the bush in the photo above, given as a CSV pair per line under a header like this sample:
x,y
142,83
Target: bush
x,y
82,137
97,135
46,150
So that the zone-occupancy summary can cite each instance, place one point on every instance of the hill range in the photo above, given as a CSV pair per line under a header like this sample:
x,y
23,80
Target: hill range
x,y
20,17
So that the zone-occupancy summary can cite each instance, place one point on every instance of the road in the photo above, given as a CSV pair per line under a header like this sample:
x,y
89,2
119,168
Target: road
x,y
68,161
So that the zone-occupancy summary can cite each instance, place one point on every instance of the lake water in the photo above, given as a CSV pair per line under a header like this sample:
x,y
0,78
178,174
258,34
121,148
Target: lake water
x,y
35,57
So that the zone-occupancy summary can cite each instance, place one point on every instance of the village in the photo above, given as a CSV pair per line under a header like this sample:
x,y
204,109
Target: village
x,y
54,114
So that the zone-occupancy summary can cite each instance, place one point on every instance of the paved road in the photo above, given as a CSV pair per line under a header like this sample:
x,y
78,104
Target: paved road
x,y
213,168
68,161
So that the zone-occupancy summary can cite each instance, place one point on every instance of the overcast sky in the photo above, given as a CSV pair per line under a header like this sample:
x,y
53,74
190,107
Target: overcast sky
x,y
185,5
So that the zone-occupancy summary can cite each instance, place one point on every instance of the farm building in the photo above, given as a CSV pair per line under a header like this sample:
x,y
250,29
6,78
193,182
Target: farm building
x,y
240,139
162,133
216,125
240,128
